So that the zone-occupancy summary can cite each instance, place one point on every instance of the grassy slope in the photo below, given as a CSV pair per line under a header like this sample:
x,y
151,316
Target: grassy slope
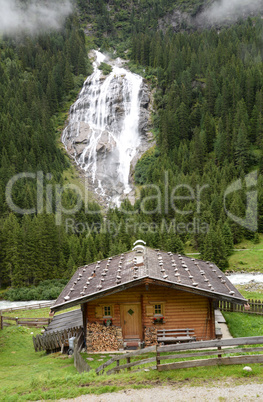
x,y
254,295
250,258
27,375
247,256
37,313
241,325
21,368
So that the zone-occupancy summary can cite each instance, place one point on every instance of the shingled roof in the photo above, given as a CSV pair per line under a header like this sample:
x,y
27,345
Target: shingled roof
x,y
145,265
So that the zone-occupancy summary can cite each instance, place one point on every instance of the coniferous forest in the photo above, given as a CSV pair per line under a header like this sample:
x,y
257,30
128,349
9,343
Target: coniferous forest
x,y
207,124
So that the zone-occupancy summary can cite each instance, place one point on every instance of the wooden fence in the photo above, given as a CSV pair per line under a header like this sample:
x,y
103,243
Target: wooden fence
x,y
30,307
129,364
55,341
80,364
192,354
218,348
26,322
256,307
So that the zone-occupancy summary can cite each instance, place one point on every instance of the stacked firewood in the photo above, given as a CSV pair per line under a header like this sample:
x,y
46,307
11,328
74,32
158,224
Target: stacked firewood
x,y
150,336
101,338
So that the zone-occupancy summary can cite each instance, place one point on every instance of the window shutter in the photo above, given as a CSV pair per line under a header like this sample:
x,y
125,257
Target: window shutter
x,y
149,311
98,311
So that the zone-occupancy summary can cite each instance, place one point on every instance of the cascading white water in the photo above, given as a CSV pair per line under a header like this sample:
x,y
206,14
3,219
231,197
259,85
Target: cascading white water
x,y
103,130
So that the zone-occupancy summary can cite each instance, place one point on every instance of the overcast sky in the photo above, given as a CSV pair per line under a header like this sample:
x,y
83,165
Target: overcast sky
x,y
221,9
37,16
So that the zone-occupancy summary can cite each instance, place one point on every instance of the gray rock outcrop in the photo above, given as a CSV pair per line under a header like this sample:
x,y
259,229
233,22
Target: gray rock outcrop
x,y
99,136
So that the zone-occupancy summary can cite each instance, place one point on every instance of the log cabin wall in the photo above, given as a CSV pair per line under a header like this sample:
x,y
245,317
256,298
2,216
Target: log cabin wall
x,y
180,309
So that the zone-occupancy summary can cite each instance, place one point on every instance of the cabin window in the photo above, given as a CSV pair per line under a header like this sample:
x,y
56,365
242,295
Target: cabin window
x,y
158,309
155,308
104,311
107,315
158,316
107,311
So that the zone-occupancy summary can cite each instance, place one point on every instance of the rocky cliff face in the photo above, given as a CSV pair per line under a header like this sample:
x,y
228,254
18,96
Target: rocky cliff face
x,y
211,13
108,129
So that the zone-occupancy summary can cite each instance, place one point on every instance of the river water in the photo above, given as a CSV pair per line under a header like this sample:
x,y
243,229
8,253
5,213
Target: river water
x,y
8,304
243,279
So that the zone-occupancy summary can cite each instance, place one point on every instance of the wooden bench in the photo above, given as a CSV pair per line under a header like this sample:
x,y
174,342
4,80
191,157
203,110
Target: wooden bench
x,y
218,331
175,335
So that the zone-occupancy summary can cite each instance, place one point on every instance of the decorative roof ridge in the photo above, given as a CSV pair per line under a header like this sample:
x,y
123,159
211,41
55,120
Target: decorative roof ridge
x,y
146,261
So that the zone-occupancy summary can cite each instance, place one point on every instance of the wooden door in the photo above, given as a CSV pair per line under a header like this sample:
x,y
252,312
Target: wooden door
x,y
131,321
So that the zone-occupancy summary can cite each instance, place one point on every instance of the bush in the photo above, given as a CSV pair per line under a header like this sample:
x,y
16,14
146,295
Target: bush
x,y
52,293
46,290
144,164
106,68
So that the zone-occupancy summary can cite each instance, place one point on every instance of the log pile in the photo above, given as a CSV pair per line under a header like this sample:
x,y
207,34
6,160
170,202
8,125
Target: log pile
x,y
150,336
101,338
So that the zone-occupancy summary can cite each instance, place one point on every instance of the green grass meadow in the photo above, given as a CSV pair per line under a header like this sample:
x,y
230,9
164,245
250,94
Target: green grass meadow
x,y
242,325
247,256
27,375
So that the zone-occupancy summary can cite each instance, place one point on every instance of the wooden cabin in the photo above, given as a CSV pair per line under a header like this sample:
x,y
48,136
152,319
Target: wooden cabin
x,y
127,299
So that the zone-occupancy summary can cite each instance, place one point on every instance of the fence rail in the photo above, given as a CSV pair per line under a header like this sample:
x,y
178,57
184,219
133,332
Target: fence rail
x,y
192,354
127,356
242,355
29,307
256,307
55,341
26,322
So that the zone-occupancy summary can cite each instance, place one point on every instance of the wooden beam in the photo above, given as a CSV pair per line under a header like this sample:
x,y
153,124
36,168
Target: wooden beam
x,y
226,361
253,340
128,365
104,365
210,353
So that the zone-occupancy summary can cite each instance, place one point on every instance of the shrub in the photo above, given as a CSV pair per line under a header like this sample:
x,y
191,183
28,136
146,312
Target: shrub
x,y
52,293
144,164
46,290
106,68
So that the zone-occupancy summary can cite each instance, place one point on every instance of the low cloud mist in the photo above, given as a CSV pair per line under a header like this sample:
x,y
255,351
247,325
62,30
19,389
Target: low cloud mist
x,y
32,17
224,10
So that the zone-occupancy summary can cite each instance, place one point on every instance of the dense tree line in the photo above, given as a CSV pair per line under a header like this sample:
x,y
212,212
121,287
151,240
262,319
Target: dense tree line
x,y
209,99
36,76
209,133
114,21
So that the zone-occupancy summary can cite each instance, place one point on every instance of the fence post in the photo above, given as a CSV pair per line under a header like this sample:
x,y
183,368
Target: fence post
x,y
128,361
158,361
117,364
2,321
251,303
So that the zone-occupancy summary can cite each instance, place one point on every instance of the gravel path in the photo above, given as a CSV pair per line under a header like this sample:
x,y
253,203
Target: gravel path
x,y
247,392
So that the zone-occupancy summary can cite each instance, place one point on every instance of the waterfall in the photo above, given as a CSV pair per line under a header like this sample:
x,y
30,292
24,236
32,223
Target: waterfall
x,y
103,132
